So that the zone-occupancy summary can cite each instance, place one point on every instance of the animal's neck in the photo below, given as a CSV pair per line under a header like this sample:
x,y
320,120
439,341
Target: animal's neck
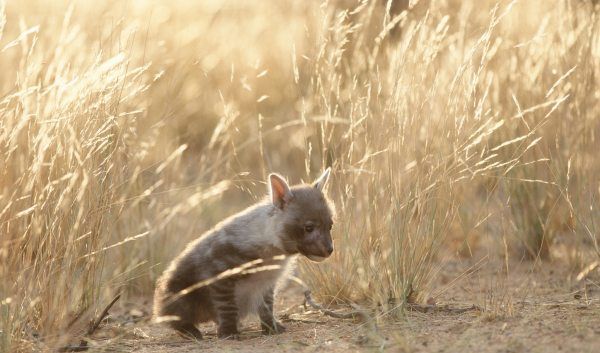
x,y
264,231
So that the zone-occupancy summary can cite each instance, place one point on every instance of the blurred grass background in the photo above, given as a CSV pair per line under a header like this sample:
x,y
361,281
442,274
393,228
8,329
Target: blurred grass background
x,y
130,127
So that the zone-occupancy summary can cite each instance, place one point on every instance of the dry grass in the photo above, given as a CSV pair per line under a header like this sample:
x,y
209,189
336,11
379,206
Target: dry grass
x,y
122,121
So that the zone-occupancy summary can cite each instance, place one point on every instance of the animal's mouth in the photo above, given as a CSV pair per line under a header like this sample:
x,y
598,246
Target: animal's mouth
x,y
316,258
316,252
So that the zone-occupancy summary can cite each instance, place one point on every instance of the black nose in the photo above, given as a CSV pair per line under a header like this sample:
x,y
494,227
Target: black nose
x,y
329,249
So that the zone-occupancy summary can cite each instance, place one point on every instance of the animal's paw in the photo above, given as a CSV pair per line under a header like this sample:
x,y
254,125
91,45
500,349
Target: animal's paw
x,y
273,329
197,336
233,337
229,334
188,331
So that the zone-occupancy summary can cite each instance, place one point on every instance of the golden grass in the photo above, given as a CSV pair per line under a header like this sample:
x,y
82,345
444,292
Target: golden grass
x,y
121,121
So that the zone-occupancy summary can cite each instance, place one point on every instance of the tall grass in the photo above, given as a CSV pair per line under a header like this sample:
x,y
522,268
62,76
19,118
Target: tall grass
x,y
121,122
82,178
425,137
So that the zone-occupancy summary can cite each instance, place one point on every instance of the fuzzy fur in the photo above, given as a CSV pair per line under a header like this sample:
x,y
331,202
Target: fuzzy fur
x,y
295,221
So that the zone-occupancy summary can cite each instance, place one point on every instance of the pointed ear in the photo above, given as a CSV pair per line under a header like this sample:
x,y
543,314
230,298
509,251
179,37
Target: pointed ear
x,y
279,190
322,180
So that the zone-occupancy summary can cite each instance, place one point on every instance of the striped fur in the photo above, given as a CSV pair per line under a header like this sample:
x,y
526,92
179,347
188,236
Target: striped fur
x,y
269,236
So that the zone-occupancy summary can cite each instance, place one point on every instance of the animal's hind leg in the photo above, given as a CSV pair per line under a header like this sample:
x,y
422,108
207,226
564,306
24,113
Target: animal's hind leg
x,y
185,313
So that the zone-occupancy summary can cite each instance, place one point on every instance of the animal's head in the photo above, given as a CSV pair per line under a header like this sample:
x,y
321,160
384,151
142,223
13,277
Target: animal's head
x,y
305,215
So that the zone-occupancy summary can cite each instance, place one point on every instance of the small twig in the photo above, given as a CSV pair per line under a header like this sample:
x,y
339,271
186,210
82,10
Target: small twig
x,y
305,321
83,344
428,308
586,271
94,327
348,315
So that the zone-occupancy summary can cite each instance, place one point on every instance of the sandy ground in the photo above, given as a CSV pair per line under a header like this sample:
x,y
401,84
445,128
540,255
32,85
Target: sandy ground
x,y
531,310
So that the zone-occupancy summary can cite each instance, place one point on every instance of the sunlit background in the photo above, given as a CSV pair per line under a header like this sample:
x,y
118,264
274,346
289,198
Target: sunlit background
x,y
128,128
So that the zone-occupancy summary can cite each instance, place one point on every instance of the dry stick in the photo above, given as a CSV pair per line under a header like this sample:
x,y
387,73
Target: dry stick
x,y
424,308
586,271
358,311
103,315
428,308
83,345
348,315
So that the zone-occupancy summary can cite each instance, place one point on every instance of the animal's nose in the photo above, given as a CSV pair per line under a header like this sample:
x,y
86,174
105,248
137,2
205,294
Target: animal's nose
x,y
329,248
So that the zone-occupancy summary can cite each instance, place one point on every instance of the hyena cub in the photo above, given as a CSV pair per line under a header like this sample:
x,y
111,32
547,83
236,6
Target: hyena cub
x,y
261,244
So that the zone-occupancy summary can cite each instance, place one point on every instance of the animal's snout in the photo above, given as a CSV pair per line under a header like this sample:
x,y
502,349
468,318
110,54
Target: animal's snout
x,y
325,247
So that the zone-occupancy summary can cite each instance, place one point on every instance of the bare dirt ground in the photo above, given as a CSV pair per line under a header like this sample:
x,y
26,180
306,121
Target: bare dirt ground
x,y
532,309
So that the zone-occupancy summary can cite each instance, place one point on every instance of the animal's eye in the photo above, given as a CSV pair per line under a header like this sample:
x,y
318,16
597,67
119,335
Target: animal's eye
x,y
309,228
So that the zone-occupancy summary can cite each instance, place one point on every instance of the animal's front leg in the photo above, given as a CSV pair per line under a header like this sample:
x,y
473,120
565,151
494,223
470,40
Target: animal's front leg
x,y
223,297
268,323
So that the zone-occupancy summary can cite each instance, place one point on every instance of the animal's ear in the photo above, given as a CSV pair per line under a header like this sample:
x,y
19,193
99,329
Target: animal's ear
x,y
279,190
322,180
